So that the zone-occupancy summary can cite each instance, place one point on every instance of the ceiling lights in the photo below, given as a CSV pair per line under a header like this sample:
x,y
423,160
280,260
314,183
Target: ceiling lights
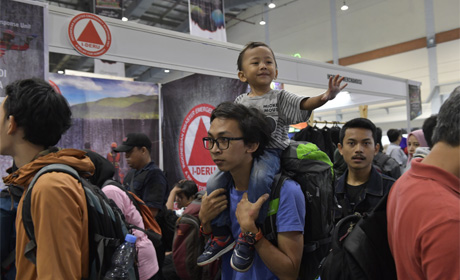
x,y
344,6
272,5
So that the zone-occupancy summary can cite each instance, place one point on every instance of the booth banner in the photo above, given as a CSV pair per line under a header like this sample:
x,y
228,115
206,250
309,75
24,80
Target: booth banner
x,y
415,101
207,19
104,111
22,51
109,8
188,104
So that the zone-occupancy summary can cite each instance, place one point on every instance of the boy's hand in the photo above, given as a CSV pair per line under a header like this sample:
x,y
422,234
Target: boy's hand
x,y
247,212
334,88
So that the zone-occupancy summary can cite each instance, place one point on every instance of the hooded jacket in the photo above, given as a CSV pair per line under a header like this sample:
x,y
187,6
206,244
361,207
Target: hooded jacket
x,y
60,216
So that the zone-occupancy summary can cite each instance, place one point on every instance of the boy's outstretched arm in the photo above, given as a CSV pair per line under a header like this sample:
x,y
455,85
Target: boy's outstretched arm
x,y
319,100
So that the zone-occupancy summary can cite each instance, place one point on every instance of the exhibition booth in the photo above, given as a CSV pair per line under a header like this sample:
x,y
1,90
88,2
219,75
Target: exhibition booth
x,y
175,114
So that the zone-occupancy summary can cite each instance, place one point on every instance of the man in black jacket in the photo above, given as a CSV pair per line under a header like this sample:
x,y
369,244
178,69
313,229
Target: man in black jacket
x,y
361,187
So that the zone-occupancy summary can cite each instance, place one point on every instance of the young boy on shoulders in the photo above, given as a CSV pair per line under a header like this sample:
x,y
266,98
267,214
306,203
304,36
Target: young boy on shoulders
x,y
257,67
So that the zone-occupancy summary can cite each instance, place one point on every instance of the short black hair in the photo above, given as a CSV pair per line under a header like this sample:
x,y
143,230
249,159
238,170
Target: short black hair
x,y
252,45
251,121
43,114
188,188
448,129
359,123
393,134
428,127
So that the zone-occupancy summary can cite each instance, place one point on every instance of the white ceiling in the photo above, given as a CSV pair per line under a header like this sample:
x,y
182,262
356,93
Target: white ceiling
x,y
304,27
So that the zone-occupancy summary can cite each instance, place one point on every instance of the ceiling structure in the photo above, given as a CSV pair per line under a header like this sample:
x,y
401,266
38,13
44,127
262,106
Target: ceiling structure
x,y
381,36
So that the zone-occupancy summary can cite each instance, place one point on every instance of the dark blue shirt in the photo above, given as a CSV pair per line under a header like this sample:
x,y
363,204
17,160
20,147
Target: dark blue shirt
x,y
150,184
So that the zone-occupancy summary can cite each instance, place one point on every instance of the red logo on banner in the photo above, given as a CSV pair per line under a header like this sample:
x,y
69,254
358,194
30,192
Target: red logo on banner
x,y
89,35
195,160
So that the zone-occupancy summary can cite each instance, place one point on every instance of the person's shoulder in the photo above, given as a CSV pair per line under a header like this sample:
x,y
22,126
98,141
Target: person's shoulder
x,y
240,98
291,188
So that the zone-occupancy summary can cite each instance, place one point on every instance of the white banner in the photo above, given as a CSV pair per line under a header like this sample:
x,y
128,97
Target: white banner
x,y
207,19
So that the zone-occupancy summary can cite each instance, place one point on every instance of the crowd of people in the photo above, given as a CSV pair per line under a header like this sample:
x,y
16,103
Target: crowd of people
x,y
245,140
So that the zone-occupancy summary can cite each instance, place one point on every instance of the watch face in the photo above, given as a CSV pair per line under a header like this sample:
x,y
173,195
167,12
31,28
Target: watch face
x,y
250,237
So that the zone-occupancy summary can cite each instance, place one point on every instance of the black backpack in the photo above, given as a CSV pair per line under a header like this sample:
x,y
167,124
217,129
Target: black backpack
x,y
9,199
360,248
107,229
387,165
143,210
305,163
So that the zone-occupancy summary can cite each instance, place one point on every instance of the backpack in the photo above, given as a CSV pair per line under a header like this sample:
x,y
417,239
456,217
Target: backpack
x,y
9,199
188,244
151,227
305,163
360,248
387,165
165,222
107,229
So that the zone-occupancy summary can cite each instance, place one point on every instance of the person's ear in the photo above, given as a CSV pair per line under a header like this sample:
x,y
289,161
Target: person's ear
x,y
276,74
12,125
252,147
339,146
242,77
377,149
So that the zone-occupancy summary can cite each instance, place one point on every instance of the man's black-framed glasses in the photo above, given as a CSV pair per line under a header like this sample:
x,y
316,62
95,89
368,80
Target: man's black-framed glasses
x,y
222,142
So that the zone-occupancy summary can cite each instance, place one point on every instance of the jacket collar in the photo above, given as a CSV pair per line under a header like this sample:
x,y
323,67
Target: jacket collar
x,y
374,185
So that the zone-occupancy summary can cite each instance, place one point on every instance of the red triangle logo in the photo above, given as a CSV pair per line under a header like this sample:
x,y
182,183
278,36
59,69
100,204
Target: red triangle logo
x,y
90,35
199,155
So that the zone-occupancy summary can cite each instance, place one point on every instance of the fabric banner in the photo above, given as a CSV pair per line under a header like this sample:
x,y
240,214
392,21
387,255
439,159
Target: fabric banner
x,y
109,8
22,49
207,19
105,111
415,101
188,104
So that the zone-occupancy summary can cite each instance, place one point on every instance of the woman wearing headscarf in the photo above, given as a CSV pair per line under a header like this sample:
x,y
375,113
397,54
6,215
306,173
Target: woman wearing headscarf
x,y
416,146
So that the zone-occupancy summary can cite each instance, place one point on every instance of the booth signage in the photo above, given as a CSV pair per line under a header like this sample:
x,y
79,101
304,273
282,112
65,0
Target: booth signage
x,y
89,35
195,161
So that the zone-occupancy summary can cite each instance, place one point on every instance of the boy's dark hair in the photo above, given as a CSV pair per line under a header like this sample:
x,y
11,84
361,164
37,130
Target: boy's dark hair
x,y
252,45
448,129
428,128
393,134
251,122
359,123
188,188
43,114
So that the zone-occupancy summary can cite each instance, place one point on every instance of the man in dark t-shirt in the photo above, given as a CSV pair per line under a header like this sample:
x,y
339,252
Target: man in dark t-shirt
x,y
145,178
361,187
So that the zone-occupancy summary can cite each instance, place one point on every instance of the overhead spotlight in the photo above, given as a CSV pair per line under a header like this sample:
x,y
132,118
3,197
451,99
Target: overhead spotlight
x,y
167,71
124,19
344,6
262,22
60,72
272,5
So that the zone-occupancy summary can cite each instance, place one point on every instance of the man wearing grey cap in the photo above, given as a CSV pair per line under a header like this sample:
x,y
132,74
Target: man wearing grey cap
x,y
145,178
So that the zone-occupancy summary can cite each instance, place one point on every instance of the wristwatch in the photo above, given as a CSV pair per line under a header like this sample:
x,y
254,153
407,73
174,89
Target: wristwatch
x,y
251,237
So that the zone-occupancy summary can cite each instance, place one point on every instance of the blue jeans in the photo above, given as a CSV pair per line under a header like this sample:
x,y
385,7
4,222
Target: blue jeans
x,y
264,169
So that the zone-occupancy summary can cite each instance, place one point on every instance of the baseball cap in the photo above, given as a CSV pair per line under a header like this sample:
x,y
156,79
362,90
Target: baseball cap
x,y
134,140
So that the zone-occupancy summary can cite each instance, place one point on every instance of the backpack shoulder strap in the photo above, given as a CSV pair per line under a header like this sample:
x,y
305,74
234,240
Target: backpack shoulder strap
x,y
128,193
269,227
26,213
382,160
